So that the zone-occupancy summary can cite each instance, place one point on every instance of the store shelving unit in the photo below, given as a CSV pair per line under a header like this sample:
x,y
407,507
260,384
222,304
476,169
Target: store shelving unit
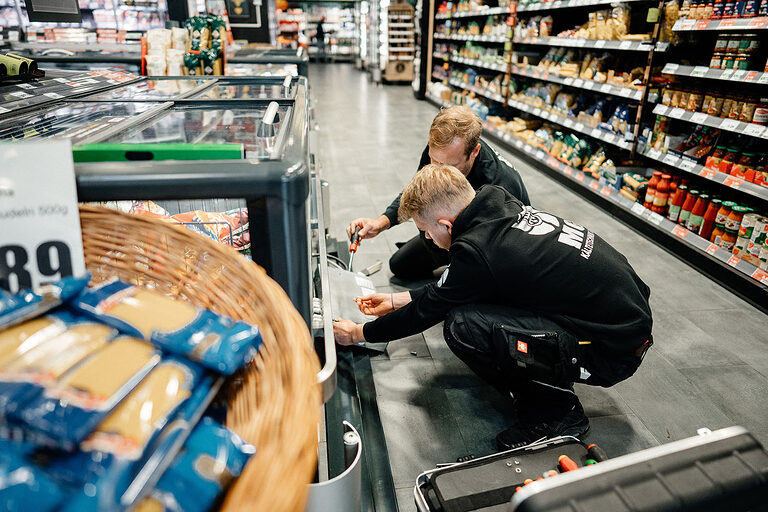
x,y
733,24
401,42
741,276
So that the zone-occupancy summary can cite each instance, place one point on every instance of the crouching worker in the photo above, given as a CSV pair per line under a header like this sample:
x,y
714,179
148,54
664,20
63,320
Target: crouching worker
x,y
531,302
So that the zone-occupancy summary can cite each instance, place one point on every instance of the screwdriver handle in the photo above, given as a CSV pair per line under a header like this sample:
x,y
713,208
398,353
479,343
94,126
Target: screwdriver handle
x,y
355,240
596,453
567,464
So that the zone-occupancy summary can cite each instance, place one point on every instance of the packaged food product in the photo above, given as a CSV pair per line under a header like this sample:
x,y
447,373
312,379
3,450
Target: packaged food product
x,y
24,487
747,111
216,341
211,459
760,115
15,308
716,105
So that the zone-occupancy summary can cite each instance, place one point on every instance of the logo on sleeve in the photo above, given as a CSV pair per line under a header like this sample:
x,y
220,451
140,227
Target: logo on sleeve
x,y
443,277
522,347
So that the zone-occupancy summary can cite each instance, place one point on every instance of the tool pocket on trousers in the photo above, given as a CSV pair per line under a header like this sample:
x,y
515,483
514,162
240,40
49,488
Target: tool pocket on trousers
x,y
535,354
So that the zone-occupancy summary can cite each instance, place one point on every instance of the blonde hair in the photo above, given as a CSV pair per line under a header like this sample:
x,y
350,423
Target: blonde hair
x,y
452,122
435,187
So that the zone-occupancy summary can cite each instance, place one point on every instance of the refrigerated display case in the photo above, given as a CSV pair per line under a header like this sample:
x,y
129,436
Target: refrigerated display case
x,y
255,58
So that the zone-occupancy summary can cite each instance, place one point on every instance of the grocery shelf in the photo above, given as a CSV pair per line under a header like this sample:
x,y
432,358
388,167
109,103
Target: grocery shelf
x,y
579,83
477,90
482,39
479,63
577,42
730,125
474,14
758,23
728,75
691,167
573,125
744,278
569,4
404,40
440,76
439,55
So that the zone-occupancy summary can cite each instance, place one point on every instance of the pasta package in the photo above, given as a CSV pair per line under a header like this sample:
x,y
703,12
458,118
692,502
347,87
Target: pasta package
x,y
128,451
45,349
15,308
216,341
23,487
211,459
67,410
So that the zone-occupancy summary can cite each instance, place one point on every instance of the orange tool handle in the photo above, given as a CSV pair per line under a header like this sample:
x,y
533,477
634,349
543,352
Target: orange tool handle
x,y
566,463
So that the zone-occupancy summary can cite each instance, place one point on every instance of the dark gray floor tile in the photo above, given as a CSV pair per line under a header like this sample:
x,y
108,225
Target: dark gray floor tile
x,y
738,391
405,502
407,348
453,373
599,401
668,403
481,412
620,434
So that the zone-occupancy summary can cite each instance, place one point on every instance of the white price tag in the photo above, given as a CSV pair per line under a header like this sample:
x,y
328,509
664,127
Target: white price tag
x,y
537,112
20,94
654,153
580,127
568,123
687,164
600,44
729,124
670,68
739,75
625,45
519,143
38,208
671,159
660,110
578,82
3,110
569,81
507,137
597,132
754,130
611,138
699,71
627,92
763,79
726,75
605,88
699,117
53,95
25,86
528,149
638,209
589,85
677,113
655,218
540,155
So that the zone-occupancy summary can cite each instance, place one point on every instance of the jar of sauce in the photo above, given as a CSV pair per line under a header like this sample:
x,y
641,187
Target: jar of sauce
x,y
651,190
677,202
733,222
728,240
662,195
723,212
708,221
747,161
731,156
697,213
713,161
685,210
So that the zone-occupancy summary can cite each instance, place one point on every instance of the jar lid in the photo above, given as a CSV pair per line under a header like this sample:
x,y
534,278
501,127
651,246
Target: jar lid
x,y
729,204
666,176
741,209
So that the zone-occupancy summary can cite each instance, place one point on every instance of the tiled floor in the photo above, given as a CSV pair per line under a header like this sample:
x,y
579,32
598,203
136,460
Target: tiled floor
x,y
708,368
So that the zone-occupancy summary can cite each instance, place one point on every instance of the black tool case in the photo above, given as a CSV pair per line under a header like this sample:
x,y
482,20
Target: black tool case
x,y
489,483
725,470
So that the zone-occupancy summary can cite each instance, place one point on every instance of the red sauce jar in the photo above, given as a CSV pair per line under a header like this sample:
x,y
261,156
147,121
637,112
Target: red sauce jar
x,y
697,213
685,210
708,222
650,192
662,195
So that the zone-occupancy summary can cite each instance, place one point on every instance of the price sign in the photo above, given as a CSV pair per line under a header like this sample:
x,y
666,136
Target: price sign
x,y
739,75
568,123
606,191
40,241
589,85
528,149
761,275
519,143
687,164
611,138
655,218
754,130
699,71
600,43
726,75
670,159
537,112
580,177
580,127
729,124
654,153
670,68
702,24
680,231
712,249
568,171
758,22
660,110
638,209
578,82
734,260
540,154
569,80
763,79
699,117
732,181
626,92
751,76
605,88
707,173
594,185
677,113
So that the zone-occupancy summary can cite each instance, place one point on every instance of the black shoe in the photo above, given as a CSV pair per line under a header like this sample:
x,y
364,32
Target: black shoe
x,y
575,424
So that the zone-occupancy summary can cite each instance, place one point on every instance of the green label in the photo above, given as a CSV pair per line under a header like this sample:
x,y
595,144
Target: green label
x,y
653,15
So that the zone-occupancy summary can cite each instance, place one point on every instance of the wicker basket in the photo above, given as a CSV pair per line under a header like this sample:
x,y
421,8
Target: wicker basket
x,y
275,402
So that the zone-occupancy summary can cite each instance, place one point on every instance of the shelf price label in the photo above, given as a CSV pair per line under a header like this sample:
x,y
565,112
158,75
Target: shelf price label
x,y
40,241
677,113
568,170
638,209
600,43
761,275
699,117
540,154
594,185
702,24
732,181
625,45
660,110
729,124
763,79
707,173
712,249
755,130
655,218
606,191
671,159
670,68
578,82
687,164
580,178
699,71
606,88
680,231
733,261
654,153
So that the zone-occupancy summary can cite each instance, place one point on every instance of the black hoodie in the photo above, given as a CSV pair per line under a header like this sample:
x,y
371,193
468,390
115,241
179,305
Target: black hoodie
x,y
503,252
489,169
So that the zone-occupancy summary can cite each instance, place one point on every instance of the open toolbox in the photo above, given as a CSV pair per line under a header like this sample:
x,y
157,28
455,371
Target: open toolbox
x,y
722,470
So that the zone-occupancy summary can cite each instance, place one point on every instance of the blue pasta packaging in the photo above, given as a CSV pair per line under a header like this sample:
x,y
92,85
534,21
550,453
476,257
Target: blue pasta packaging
x,y
24,487
211,459
120,461
26,304
214,340
69,408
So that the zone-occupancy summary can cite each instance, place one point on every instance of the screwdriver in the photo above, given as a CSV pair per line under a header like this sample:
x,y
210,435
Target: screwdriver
x,y
596,453
567,464
354,243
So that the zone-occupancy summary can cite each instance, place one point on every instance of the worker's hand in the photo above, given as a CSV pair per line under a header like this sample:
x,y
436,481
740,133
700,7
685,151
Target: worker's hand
x,y
377,304
369,228
347,332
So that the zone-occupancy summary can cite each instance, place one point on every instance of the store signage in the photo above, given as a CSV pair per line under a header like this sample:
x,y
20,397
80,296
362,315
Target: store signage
x,y
40,240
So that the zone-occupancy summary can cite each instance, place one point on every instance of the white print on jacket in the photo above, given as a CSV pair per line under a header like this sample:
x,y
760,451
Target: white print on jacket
x,y
539,223
443,277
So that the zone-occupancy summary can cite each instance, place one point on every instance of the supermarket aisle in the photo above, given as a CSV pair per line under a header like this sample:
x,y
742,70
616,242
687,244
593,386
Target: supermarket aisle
x,y
708,368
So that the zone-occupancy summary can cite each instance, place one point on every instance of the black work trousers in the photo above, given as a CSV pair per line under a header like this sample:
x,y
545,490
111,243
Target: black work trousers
x,y
530,356
417,258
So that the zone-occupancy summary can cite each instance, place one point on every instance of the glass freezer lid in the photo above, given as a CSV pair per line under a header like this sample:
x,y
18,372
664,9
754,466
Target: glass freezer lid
x,y
152,89
75,121
280,70
266,88
212,125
